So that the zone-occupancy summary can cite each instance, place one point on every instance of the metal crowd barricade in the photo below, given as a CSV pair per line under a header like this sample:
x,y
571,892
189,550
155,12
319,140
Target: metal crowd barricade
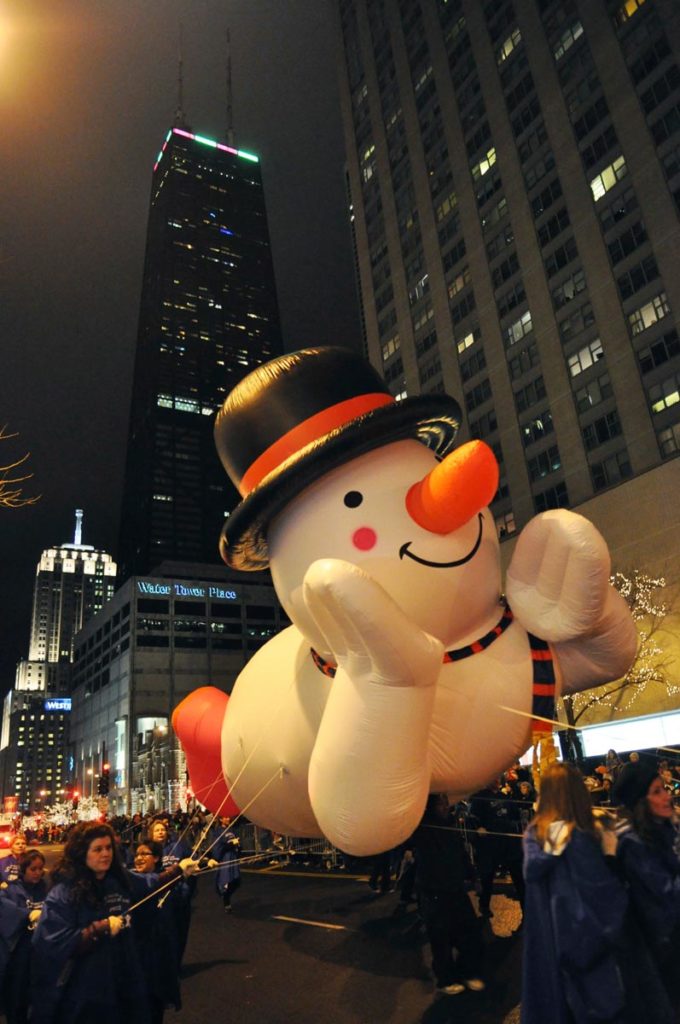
x,y
286,850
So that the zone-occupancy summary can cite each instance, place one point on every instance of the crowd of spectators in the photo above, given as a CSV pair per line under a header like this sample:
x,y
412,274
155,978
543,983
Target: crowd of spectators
x,y
103,939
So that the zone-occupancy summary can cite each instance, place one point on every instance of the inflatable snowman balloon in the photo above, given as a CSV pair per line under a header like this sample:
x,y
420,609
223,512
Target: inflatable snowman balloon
x,y
403,672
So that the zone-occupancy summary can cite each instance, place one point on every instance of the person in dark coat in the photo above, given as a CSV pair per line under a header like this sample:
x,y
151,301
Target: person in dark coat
x,y
25,897
86,966
498,842
225,852
574,911
649,857
153,924
450,921
176,849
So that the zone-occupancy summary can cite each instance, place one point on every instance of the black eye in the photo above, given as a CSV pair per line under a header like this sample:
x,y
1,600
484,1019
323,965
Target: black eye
x,y
353,499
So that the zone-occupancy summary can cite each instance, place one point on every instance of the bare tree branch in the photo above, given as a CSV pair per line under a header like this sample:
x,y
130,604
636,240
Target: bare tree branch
x,y
11,495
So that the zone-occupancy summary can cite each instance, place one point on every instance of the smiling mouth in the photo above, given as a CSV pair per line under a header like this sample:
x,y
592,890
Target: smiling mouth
x,y
404,552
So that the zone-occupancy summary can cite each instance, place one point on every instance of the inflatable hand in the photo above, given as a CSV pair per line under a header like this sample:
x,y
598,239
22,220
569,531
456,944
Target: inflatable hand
x,y
558,577
378,711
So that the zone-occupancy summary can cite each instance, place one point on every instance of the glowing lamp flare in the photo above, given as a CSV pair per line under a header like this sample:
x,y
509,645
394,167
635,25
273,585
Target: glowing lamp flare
x,y
456,489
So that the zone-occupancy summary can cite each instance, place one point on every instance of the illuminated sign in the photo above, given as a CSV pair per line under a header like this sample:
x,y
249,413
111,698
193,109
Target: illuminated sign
x,y
157,589
58,704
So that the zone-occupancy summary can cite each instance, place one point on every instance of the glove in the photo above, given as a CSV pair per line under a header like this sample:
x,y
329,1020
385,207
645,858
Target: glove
x,y
115,925
213,863
33,916
188,867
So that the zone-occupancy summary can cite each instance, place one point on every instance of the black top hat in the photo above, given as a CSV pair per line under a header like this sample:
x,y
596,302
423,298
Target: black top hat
x,y
300,415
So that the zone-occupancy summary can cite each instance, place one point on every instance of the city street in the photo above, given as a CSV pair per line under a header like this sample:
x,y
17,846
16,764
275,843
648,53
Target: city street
x,y
322,947
310,946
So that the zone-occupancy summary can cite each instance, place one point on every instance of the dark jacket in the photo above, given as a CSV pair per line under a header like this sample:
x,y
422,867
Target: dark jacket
x,y
573,920
102,978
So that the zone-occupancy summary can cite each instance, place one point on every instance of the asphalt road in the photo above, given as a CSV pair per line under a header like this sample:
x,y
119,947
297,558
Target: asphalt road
x,y
310,948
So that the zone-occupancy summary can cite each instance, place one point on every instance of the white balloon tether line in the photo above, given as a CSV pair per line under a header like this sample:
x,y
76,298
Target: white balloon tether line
x,y
233,785
172,881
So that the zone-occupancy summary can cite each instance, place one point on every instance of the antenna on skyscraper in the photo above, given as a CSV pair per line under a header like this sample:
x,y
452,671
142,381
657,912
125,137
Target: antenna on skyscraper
x,y
179,112
230,121
78,535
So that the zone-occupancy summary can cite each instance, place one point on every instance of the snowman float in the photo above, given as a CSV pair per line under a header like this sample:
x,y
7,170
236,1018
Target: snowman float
x,y
403,672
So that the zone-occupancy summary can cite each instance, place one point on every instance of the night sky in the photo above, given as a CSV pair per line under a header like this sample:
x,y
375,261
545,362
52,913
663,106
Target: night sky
x,y
88,91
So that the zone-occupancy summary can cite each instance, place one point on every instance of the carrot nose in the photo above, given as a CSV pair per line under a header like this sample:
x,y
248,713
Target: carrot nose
x,y
458,487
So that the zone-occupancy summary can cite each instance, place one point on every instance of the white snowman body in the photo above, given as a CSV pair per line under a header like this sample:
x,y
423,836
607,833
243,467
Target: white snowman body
x,y
383,598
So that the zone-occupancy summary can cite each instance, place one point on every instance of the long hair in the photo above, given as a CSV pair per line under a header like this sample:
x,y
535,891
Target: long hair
x,y
563,797
641,820
73,870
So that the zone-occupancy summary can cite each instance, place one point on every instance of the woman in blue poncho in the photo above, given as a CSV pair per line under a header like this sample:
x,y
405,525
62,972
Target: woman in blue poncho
x,y
648,854
85,961
574,910
20,906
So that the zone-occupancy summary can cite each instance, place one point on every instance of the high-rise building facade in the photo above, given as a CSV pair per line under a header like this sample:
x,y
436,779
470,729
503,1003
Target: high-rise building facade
x,y
159,638
73,582
208,316
515,179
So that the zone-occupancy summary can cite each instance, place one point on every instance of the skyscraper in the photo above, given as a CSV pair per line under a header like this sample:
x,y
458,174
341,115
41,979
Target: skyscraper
x,y
73,582
515,179
208,316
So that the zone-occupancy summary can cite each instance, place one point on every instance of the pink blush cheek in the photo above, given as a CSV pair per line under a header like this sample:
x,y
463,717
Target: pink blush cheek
x,y
364,538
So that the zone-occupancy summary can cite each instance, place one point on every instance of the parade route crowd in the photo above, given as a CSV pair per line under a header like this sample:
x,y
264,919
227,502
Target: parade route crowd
x,y
591,856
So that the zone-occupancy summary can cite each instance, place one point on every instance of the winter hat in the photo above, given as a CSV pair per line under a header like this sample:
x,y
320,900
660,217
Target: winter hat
x,y
633,783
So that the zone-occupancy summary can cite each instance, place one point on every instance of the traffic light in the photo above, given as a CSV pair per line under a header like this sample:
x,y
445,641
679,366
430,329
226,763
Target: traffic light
x,y
104,779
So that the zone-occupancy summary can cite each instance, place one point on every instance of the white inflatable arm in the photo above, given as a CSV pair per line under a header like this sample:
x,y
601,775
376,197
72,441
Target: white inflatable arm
x,y
369,773
558,579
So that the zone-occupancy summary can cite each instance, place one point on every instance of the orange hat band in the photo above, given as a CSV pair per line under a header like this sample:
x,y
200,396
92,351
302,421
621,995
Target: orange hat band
x,y
306,433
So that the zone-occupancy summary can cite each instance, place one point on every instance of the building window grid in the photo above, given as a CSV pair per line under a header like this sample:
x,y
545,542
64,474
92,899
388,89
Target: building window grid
x,y
659,352
649,313
586,357
601,430
610,471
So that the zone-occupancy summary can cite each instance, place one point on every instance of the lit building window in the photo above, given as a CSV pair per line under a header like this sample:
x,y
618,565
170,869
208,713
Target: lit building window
x,y
459,282
480,169
607,178
445,207
517,330
390,347
643,317
507,46
468,340
627,10
567,39
664,395
585,357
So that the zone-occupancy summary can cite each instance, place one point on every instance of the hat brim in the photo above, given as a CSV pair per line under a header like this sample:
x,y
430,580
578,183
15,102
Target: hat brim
x,y
431,419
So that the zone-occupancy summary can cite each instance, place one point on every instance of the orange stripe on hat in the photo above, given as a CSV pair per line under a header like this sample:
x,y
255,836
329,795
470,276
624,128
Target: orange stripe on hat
x,y
305,433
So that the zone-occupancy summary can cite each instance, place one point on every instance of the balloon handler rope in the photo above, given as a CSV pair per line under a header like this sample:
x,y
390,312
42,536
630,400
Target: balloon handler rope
x,y
284,699
277,774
